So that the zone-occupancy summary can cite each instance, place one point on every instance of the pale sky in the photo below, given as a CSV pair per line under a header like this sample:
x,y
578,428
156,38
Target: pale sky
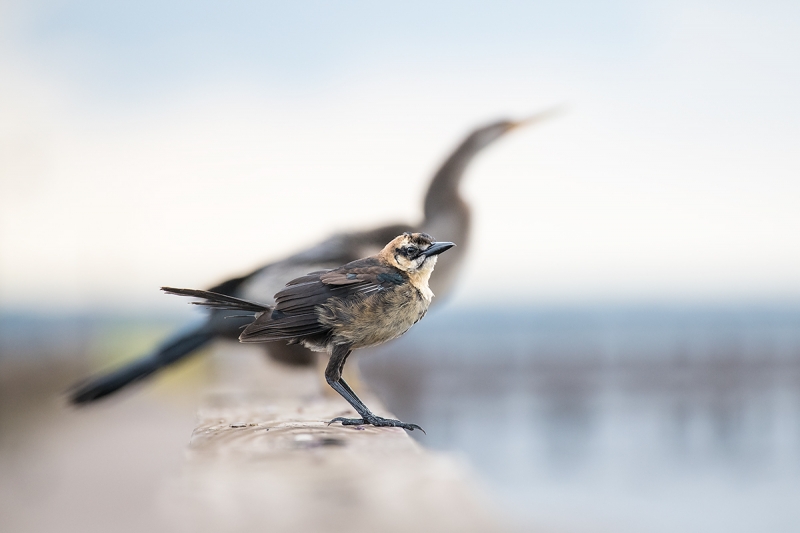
x,y
156,143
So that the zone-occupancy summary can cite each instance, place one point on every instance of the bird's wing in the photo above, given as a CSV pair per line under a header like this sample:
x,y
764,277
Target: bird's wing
x,y
362,277
295,314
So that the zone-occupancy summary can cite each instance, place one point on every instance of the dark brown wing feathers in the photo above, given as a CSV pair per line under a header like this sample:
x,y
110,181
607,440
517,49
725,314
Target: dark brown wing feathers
x,y
295,313
278,326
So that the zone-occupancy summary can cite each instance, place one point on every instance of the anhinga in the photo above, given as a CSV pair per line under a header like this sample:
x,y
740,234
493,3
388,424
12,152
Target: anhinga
x,y
446,215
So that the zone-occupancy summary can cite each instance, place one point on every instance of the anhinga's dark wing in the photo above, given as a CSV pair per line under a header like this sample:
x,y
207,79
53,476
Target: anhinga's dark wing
x,y
295,314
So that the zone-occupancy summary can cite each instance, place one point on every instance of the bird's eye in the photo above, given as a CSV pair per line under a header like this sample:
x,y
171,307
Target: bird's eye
x,y
411,251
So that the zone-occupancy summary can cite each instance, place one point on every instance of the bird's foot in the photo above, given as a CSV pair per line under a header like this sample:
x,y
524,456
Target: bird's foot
x,y
377,421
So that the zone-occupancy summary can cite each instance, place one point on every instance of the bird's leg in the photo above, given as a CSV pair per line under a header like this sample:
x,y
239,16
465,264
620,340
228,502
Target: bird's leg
x,y
333,375
367,417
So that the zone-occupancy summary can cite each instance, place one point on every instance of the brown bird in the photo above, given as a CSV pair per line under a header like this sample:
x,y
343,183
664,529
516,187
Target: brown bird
x,y
363,303
445,214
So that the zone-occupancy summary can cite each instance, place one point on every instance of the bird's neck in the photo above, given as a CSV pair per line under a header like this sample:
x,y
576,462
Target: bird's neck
x,y
419,278
443,193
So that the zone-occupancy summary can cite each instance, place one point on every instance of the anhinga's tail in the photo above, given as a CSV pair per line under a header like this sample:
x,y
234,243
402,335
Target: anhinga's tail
x,y
170,352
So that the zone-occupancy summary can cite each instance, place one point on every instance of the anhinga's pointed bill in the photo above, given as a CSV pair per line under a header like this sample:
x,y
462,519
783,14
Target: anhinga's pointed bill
x,y
542,115
437,248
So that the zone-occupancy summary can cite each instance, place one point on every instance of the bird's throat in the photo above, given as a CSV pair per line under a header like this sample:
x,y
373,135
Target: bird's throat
x,y
420,278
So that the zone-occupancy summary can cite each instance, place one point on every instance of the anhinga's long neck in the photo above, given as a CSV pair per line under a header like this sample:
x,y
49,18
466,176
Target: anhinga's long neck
x,y
443,198
447,216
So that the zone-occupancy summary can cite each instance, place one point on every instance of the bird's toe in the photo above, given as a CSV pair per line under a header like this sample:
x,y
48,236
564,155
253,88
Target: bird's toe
x,y
348,421
390,422
377,421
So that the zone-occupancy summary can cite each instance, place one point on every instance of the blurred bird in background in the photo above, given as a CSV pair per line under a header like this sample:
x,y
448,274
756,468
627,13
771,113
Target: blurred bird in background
x,y
446,215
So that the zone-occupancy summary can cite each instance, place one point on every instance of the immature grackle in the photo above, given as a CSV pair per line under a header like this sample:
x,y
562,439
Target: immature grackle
x,y
363,303
446,215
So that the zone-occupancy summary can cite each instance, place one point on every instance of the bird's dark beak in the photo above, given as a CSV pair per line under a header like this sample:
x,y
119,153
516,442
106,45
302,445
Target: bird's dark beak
x,y
437,248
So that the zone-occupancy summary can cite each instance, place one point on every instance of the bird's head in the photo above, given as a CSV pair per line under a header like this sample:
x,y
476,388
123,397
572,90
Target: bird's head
x,y
486,135
413,252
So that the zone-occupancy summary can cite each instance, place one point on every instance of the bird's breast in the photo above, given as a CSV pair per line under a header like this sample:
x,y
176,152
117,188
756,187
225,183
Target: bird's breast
x,y
374,319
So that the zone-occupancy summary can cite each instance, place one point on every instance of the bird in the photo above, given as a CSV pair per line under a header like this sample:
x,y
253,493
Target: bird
x,y
363,303
445,214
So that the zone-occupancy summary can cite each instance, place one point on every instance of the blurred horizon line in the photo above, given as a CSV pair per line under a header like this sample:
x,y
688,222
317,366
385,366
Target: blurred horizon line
x,y
508,310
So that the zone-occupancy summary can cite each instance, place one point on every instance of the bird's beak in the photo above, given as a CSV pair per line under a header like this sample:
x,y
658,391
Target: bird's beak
x,y
539,117
437,248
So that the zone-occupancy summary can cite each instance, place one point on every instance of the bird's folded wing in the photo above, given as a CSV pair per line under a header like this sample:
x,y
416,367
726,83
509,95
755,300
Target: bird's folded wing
x,y
295,312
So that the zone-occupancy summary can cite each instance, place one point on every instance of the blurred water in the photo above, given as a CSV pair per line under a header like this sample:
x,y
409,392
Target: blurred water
x,y
602,419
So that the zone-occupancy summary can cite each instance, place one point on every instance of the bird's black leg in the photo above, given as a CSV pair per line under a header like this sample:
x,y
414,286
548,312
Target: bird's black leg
x,y
367,417
333,375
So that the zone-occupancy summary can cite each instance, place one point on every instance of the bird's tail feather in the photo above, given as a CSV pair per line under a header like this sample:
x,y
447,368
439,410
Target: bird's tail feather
x,y
168,353
215,300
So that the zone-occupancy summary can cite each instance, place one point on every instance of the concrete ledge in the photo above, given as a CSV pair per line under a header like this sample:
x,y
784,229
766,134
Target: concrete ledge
x,y
263,458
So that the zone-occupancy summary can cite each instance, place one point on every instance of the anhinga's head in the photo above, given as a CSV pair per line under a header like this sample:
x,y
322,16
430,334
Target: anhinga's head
x,y
414,252
486,135
483,137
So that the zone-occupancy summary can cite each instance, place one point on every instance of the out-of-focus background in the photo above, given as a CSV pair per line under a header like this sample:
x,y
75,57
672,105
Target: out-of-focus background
x,y
623,349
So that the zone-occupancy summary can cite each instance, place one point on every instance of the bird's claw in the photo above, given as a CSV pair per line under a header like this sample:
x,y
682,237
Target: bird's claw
x,y
376,421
